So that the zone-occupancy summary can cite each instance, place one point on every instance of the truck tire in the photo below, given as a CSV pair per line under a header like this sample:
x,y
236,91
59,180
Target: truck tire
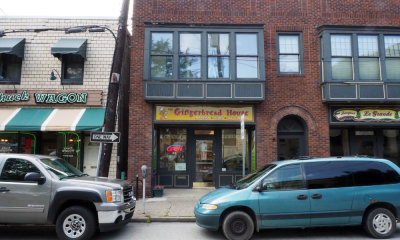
x,y
76,223
238,225
380,223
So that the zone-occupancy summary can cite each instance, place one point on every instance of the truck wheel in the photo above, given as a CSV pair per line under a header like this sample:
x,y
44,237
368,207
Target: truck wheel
x,y
238,225
77,223
380,223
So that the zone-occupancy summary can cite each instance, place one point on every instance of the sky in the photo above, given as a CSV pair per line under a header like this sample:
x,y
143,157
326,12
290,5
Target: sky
x,y
62,8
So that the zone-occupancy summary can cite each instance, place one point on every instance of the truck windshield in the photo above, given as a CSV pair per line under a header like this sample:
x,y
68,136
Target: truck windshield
x,y
61,168
254,176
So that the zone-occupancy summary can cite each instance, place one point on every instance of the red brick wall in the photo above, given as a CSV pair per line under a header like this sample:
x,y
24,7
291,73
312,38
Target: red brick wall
x,y
285,94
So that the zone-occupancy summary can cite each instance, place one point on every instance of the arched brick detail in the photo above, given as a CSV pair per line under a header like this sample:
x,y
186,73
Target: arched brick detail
x,y
296,111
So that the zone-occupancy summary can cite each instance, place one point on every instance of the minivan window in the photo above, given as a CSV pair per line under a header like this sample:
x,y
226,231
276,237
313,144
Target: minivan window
x,y
374,173
253,177
285,178
329,174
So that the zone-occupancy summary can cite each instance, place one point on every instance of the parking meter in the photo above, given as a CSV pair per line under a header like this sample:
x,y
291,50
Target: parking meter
x,y
144,174
144,171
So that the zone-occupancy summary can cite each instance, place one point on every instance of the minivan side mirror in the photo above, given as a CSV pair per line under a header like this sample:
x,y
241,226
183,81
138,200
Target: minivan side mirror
x,y
35,177
258,188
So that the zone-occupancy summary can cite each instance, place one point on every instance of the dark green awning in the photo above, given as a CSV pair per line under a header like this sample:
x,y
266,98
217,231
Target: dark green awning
x,y
70,46
14,46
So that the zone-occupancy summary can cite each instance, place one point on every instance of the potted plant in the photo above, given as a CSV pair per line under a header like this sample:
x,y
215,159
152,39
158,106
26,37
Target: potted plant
x,y
158,190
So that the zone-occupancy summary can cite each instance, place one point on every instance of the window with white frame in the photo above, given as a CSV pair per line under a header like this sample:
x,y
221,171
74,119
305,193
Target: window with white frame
x,y
392,54
289,53
342,60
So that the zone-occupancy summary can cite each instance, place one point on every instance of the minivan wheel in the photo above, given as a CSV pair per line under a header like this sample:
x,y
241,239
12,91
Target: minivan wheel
x,y
380,223
238,225
75,223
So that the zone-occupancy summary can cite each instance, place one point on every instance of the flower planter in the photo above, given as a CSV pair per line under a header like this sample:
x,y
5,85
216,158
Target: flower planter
x,y
158,192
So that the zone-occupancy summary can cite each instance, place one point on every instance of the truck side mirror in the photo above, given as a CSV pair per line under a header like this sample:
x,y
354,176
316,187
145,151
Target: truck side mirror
x,y
144,171
35,177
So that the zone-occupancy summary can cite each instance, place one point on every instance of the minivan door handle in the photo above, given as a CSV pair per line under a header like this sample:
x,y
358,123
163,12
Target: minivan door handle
x,y
316,196
302,197
4,189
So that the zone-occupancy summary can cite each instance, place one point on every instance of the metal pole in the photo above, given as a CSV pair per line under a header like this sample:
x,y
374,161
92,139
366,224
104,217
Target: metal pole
x,y
144,195
242,136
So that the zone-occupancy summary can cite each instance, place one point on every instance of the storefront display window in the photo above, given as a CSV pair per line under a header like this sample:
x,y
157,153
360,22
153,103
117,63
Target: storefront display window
x,y
232,157
339,142
391,140
173,149
17,142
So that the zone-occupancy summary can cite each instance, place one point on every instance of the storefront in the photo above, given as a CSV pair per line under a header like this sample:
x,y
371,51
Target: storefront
x,y
373,131
34,122
201,145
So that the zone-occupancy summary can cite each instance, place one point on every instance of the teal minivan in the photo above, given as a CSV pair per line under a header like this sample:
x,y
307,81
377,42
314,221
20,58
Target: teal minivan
x,y
335,191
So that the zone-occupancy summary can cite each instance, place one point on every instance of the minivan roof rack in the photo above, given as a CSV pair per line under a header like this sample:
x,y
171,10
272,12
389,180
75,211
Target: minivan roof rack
x,y
304,157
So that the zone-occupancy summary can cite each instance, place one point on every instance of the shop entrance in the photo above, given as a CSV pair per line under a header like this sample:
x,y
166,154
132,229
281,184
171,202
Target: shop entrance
x,y
201,156
204,158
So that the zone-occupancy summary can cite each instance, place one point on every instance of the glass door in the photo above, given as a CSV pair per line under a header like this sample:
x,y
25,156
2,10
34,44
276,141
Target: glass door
x,y
204,163
364,143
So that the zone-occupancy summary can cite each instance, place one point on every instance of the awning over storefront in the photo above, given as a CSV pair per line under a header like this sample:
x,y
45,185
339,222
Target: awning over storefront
x,y
51,119
13,46
70,46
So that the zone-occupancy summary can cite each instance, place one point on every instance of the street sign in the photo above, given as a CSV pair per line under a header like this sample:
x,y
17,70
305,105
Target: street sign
x,y
105,137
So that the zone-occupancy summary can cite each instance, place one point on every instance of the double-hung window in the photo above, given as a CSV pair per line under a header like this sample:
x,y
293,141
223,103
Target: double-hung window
x,y
368,57
161,55
341,57
290,53
392,54
189,55
10,67
246,55
218,55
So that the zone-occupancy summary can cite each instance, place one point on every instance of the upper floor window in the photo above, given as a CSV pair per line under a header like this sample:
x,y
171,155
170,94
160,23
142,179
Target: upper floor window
x,y
392,54
200,54
290,56
72,53
10,67
11,55
360,56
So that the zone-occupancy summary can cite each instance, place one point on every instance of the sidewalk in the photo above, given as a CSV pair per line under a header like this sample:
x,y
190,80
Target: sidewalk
x,y
176,205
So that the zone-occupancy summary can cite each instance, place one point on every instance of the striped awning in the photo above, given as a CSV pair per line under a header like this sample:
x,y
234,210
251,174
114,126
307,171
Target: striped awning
x,y
51,119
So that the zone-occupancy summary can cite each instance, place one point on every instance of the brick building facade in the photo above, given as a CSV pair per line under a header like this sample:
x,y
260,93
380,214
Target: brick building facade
x,y
317,66
77,63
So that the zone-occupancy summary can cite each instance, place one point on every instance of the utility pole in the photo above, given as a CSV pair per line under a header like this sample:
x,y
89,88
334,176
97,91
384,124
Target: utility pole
x,y
113,88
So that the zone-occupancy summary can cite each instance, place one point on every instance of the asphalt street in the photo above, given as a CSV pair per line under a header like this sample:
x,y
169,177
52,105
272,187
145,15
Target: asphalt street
x,y
184,231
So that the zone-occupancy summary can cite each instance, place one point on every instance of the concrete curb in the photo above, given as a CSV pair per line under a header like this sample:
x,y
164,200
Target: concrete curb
x,y
164,219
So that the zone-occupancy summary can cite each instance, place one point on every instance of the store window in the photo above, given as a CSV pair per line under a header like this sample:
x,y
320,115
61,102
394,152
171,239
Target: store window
x,y
290,53
172,149
18,142
391,141
232,150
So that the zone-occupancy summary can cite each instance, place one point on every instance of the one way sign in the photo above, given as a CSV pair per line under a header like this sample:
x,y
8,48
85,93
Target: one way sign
x,y
105,137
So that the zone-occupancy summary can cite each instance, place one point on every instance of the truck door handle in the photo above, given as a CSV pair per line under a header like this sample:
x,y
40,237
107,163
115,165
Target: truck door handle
x,y
302,197
4,189
316,196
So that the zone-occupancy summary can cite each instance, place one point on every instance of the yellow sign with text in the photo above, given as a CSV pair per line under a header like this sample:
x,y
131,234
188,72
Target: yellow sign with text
x,y
203,113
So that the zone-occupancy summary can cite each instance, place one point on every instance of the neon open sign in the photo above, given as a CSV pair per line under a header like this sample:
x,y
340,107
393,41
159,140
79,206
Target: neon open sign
x,y
175,148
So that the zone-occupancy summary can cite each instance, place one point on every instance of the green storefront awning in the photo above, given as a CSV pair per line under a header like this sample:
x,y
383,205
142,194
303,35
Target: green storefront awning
x,y
51,119
13,46
91,120
70,46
